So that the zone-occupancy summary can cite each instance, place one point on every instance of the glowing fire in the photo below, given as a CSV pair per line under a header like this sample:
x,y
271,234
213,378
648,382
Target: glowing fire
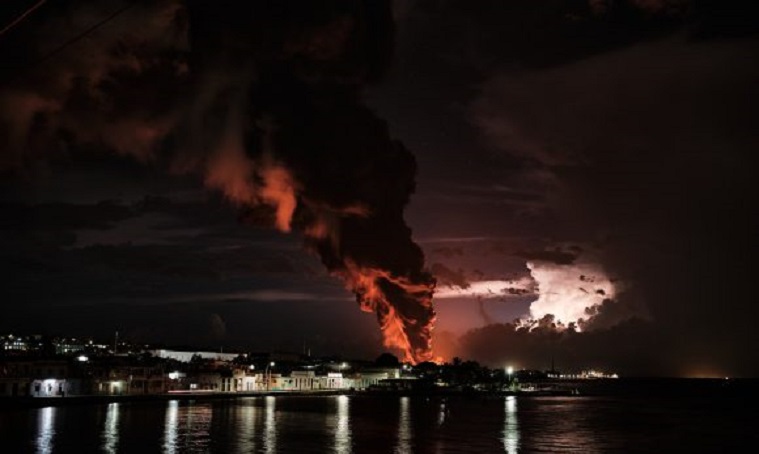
x,y
373,288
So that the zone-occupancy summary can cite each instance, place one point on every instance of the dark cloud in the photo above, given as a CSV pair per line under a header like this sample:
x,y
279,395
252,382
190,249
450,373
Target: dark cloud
x,y
639,178
63,216
633,122
555,255
57,101
262,100
448,252
628,349
449,277
217,326
487,319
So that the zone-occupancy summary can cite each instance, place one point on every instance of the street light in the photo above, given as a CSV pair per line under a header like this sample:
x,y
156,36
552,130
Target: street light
x,y
509,371
267,375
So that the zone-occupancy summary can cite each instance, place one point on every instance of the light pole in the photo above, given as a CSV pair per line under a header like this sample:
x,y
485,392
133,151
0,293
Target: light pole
x,y
267,375
250,378
509,371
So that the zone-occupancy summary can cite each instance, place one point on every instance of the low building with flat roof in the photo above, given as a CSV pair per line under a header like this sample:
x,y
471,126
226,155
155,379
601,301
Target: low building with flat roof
x,y
186,356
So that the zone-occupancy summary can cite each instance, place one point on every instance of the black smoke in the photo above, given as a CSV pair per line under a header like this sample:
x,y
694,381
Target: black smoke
x,y
262,99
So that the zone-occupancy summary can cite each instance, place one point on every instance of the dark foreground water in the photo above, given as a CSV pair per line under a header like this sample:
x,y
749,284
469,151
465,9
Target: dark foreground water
x,y
366,424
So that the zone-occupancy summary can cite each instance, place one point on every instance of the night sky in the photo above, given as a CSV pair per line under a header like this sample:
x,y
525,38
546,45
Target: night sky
x,y
576,173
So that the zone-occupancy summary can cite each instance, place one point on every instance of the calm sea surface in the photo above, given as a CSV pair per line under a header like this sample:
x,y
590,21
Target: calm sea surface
x,y
390,424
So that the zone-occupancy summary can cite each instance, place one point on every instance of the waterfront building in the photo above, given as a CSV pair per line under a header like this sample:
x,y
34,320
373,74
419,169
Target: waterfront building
x,y
187,356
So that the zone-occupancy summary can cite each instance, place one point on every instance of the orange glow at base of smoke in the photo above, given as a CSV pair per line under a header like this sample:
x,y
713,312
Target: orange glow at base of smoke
x,y
365,282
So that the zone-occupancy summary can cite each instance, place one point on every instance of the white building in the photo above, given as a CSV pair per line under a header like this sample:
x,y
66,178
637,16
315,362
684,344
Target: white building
x,y
186,357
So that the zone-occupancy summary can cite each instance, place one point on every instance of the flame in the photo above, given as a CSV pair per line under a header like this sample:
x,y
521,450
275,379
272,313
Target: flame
x,y
373,287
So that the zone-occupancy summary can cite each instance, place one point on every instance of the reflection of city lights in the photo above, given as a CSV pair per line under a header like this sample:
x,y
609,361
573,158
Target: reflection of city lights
x,y
404,428
342,426
45,431
111,431
510,426
247,431
171,428
186,428
270,425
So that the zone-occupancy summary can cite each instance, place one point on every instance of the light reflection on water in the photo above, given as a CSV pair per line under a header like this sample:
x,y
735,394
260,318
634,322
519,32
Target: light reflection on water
x,y
510,426
187,427
247,433
111,428
46,431
270,425
343,443
371,424
404,428
170,428
572,430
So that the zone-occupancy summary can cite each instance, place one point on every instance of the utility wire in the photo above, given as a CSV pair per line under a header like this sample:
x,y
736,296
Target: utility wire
x,y
81,35
74,39
20,18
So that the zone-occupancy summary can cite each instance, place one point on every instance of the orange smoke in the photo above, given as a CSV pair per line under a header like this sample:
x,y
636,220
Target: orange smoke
x,y
371,287
279,192
231,171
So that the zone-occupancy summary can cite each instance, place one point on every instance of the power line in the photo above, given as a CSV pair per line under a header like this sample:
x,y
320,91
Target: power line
x,y
76,38
22,17
81,35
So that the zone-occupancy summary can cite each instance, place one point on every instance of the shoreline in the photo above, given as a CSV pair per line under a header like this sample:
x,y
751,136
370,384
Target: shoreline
x,y
36,402
39,402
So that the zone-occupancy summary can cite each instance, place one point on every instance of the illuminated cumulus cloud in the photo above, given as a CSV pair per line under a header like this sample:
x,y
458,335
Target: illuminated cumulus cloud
x,y
567,287
570,293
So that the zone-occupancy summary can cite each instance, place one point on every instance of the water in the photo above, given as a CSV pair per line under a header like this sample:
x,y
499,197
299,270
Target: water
x,y
388,424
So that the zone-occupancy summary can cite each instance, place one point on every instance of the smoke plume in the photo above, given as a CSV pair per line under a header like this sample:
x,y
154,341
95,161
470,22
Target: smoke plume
x,y
262,99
